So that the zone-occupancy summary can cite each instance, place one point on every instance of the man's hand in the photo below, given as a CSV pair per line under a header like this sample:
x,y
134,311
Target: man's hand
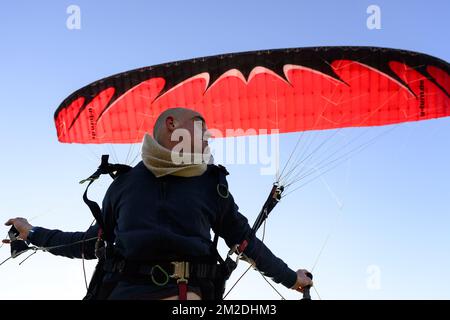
x,y
22,225
302,280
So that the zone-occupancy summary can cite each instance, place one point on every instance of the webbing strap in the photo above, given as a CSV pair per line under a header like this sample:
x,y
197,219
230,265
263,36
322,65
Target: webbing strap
x,y
222,195
94,207
114,170
182,290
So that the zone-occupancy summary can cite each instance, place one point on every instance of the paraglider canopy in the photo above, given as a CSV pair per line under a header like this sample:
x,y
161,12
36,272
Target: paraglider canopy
x,y
289,90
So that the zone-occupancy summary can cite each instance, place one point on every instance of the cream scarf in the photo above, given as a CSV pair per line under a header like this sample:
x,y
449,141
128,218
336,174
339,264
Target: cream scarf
x,y
158,160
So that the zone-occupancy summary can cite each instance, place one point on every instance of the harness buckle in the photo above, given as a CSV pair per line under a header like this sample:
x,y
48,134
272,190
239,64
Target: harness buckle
x,y
238,249
180,271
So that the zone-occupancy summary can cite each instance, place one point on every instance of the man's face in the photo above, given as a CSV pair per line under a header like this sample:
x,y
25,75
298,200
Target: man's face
x,y
196,126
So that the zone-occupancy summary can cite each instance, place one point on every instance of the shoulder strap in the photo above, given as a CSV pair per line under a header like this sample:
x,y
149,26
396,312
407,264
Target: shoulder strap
x,y
114,170
222,198
222,195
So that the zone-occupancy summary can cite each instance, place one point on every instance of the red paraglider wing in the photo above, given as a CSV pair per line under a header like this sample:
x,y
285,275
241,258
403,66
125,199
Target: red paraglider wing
x,y
286,89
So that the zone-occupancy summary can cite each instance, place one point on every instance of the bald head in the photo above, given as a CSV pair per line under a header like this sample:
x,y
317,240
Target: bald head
x,y
173,116
173,119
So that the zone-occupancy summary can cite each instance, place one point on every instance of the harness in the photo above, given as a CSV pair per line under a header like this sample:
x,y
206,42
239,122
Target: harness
x,y
104,244
211,275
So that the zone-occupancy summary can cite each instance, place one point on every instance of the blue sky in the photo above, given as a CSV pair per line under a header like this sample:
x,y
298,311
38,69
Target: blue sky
x,y
386,209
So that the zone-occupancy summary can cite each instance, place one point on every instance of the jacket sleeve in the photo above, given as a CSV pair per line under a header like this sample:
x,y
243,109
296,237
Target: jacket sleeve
x,y
235,228
66,244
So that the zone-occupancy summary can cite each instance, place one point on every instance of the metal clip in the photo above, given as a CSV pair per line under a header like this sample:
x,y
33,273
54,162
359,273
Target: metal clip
x,y
180,271
235,250
278,190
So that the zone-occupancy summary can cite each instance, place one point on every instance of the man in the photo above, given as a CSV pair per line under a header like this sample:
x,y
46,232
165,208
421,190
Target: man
x,y
161,213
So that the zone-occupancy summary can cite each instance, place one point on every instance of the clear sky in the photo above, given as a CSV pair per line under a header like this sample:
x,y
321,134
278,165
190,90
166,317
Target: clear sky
x,y
385,212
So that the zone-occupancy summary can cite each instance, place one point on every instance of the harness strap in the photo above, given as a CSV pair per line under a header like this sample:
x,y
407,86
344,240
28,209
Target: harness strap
x,y
94,207
227,265
114,170
142,269
95,289
222,190
182,289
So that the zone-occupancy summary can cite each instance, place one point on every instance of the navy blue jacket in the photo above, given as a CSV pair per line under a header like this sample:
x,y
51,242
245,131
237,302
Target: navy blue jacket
x,y
167,218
